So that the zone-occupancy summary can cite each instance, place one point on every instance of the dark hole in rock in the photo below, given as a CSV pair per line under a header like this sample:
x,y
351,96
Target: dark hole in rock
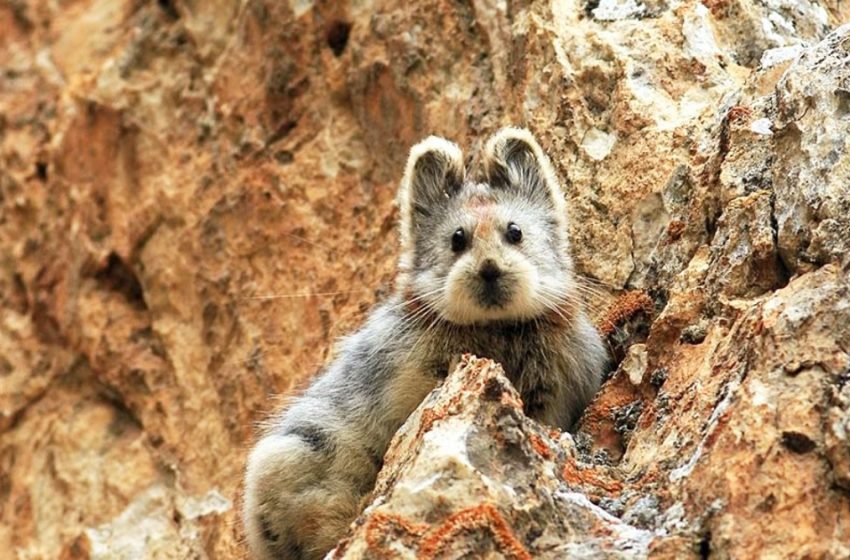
x,y
843,379
705,546
337,36
281,132
41,170
493,390
784,270
45,322
210,314
118,277
137,381
19,297
797,442
284,157
767,504
168,7
843,96
122,421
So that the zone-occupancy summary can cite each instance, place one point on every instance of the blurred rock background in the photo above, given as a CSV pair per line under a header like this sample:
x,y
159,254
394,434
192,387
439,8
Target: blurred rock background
x,y
196,198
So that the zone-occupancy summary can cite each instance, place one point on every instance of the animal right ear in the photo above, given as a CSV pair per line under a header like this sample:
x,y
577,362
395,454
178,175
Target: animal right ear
x,y
434,173
514,160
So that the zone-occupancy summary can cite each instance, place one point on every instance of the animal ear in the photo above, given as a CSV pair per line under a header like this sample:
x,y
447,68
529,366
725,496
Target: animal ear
x,y
434,174
514,160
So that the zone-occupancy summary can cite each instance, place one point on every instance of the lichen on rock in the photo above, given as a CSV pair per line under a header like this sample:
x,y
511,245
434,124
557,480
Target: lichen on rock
x,y
196,199
469,475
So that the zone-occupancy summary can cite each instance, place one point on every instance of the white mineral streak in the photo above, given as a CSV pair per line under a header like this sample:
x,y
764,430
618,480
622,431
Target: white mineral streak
x,y
761,394
300,7
774,57
598,144
449,441
730,396
192,507
699,36
613,10
632,539
145,522
762,126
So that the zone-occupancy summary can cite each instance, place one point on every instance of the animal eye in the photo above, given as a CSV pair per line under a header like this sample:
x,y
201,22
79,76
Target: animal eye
x,y
514,233
458,240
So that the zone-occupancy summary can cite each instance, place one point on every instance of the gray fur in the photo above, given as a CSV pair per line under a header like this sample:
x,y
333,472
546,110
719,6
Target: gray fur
x,y
318,458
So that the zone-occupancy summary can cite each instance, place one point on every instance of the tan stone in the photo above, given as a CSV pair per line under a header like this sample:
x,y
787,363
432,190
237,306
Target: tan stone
x,y
196,199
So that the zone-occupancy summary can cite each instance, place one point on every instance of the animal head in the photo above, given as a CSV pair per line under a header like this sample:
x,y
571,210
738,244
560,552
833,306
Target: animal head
x,y
490,249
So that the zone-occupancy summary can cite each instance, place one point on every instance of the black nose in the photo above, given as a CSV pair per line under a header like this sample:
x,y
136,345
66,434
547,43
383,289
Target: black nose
x,y
489,271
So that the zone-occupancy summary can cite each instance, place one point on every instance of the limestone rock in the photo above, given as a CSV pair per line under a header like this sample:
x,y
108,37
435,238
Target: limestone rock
x,y
196,199
468,475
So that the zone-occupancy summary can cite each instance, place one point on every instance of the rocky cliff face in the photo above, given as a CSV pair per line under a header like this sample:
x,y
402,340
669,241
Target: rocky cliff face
x,y
196,198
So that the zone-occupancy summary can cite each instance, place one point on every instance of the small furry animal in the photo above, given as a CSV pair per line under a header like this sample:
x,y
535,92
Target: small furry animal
x,y
485,268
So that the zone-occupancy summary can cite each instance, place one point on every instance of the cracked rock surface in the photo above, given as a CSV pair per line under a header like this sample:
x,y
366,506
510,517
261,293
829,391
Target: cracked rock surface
x,y
196,199
468,475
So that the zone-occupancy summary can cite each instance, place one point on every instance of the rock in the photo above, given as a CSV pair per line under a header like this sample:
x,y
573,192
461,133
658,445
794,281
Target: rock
x,y
837,436
154,526
468,475
196,199
810,170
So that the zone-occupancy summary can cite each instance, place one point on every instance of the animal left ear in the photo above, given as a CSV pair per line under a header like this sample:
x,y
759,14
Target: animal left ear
x,y
514,160
433,175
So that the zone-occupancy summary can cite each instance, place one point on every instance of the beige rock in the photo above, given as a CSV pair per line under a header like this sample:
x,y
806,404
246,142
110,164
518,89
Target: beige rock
x,y
196,199
468,475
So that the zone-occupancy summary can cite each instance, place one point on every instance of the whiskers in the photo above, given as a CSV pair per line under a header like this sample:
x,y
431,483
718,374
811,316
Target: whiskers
x,y
423,311
580,293
558,302
417,299
304,295
590,287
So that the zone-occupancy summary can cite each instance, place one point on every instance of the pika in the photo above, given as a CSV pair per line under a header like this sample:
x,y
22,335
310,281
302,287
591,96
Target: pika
x,y
485,268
